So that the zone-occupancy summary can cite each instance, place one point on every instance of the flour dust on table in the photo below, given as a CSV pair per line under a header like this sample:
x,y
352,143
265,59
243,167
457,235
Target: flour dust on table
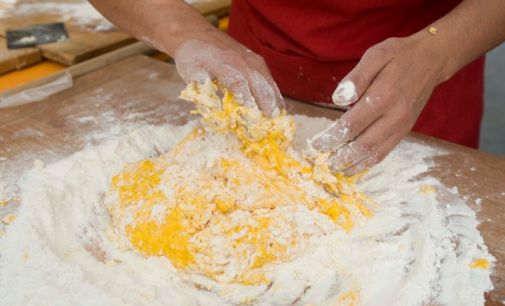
x,y
80,14
420,244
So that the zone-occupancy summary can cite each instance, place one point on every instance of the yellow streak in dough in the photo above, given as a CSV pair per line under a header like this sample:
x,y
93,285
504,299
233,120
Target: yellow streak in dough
x,y
479,263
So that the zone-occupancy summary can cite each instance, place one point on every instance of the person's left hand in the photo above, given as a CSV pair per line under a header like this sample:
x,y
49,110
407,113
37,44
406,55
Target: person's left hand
x,y
392,83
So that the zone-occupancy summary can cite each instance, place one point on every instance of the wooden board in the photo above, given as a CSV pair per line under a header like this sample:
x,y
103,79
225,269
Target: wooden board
x,y
84,42
17,59
219,8
141,89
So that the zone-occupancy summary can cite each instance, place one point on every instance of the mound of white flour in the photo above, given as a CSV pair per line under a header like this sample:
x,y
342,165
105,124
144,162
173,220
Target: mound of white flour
x,y
415,250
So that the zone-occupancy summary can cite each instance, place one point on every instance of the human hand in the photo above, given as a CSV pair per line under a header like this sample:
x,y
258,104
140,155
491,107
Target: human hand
x,y
215,55
391,84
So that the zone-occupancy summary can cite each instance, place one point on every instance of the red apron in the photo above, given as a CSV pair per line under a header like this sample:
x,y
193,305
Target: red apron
x,y
310,46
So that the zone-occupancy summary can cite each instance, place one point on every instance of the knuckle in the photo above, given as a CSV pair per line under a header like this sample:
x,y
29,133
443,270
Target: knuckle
x,y
350,129
377,51
406,114
235,80
382,49
378,157
235,59
367,145
258,58
392,41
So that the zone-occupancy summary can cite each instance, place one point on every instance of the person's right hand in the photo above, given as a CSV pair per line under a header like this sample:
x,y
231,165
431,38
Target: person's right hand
x,y
212,54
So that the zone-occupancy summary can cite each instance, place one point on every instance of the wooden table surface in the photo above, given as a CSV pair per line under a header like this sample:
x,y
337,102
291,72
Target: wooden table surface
x,y
17,59
142,89
85,42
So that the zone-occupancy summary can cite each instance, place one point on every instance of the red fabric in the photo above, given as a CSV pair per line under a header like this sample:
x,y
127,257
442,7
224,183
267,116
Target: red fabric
x,y
310,46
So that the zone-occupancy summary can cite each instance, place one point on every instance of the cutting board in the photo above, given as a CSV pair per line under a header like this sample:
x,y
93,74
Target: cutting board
x,y
84,42
17,59
145,90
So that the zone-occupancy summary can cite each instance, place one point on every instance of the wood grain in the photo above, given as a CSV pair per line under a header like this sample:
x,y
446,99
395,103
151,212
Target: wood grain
x,y
219,8
85,42
141,89
17,59
86,67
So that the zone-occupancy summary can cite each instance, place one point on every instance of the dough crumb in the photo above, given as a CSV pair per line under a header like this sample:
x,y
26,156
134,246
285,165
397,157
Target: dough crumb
x,y
9,219
39,164
427,189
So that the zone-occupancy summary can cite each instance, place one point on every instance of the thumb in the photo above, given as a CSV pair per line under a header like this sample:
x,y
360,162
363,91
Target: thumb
x,y
357,81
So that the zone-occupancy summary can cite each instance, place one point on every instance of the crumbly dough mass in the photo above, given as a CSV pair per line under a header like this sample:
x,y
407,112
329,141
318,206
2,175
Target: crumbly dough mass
x,y
233,196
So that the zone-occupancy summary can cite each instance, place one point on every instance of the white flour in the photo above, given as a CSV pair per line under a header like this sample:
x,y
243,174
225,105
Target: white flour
x,y
77,13
345,94
416,250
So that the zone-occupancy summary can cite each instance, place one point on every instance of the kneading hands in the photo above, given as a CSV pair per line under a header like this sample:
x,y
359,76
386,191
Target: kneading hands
x,y
390,86
395,78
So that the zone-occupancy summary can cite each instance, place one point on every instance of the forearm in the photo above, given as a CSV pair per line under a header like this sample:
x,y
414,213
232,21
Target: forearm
x,y
162,24
471,29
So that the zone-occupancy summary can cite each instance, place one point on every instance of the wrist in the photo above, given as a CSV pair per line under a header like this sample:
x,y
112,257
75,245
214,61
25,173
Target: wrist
x,y
437,53
179,30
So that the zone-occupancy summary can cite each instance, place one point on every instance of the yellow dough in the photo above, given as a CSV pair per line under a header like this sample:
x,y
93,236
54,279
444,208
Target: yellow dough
x,y
233,196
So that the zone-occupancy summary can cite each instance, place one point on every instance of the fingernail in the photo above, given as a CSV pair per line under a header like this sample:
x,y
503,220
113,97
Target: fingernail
x,y
345,94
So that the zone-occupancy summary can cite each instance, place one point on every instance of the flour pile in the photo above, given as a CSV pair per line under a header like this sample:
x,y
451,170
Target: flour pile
x,y
417,249
231,198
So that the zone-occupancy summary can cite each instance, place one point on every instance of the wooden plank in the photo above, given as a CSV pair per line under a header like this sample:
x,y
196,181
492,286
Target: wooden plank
x,y
102,76
86,67
85,42
83,46
141,89
219,8
17,59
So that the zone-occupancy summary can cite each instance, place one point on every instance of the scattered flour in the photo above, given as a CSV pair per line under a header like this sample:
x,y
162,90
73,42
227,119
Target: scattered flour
x,y
80,13
2,189
27,39
39,164
415,250
77,13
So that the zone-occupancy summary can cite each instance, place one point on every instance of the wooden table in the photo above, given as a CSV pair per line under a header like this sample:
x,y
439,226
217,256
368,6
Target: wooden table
x,y
17,59
146,90
85,42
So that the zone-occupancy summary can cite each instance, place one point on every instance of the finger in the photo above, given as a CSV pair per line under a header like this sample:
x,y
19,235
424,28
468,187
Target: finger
x,y
269,107
374,159
264,93
363,146
350,125
359,79
336,135
237,84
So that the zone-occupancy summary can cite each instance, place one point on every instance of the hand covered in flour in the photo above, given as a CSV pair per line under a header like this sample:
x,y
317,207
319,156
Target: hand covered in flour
x,y
391,85
200,50
215,55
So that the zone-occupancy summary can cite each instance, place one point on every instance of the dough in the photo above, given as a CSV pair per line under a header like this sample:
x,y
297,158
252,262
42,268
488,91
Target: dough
x,y
233,196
